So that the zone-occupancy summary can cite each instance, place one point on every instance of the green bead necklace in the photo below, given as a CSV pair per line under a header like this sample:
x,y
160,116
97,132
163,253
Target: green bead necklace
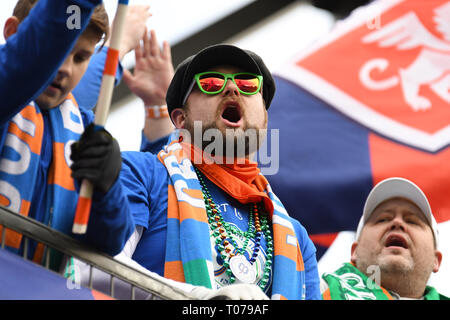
x,y
235,263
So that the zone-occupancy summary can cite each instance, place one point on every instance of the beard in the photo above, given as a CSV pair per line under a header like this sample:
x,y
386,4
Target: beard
x,y
396,265
405,274
387,264
229,143
392,273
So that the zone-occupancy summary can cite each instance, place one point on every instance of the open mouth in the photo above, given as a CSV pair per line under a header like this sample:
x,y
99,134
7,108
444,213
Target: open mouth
x,y
56,86
232,113
396,241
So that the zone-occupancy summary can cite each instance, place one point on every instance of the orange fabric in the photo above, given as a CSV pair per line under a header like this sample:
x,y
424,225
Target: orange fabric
x,y
281,247
12,238
191,212
172,202
33,141
112,61
25,207
430,171
324,239
172,271
156,112
241,181
60,172
31,135
387,293
4,201
38,253
72,98
326,295
100,296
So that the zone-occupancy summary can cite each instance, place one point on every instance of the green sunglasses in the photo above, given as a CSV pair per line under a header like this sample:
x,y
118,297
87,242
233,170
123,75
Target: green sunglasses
x,y
213,82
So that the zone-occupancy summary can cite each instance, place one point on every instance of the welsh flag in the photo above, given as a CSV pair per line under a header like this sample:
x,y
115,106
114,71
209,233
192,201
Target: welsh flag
x,y
368,102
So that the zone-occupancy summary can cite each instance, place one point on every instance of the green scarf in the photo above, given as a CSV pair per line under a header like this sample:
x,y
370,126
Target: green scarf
x,y
432,294
348,283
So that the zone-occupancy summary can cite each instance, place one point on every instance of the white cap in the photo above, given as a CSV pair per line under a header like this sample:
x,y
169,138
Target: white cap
x,y
393,188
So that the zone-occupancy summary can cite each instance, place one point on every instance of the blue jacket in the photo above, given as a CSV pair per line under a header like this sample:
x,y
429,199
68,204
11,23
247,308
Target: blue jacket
x,y
30,58
29,61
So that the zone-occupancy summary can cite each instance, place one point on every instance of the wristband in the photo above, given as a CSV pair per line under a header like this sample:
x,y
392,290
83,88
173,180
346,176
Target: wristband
x,y
156,112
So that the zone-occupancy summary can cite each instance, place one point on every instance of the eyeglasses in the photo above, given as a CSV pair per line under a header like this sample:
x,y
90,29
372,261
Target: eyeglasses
x,y
212,82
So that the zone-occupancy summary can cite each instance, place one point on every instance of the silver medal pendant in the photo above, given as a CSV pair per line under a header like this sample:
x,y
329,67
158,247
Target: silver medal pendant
x,y
242,269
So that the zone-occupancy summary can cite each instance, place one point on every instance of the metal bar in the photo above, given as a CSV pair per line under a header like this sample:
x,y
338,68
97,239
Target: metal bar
x,y
25,248
111,286
90,276
71,247
47,257
133,293
3,237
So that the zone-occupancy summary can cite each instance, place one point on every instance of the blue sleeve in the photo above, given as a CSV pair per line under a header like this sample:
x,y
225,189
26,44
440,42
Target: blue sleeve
x,y
30,58
153,146
88,89
87,116
114,215
110,223
145,180
310,262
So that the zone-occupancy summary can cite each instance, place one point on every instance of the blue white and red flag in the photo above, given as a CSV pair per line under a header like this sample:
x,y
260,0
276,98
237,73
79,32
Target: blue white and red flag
x,y
369,101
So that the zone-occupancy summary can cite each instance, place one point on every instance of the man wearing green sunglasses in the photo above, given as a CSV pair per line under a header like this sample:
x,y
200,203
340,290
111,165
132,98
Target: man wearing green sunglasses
x,y
226,91
224,103
214,225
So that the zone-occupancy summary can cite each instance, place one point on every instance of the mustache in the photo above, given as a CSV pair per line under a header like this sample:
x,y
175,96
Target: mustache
x,y
230,143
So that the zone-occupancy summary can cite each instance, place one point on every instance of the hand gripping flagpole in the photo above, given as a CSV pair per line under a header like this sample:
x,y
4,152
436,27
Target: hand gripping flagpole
x,y
104,101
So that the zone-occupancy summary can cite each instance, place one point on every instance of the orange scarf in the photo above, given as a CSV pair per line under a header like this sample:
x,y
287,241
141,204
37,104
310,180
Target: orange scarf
x,y
242,181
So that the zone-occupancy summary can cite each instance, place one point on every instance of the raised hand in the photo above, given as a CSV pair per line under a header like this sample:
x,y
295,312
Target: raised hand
x,y
134,28
153,71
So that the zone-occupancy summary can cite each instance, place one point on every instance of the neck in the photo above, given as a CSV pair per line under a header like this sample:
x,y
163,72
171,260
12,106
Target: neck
x,y
405,285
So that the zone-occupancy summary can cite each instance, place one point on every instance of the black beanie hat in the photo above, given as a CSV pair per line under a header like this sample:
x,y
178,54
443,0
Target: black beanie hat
x,y
212,56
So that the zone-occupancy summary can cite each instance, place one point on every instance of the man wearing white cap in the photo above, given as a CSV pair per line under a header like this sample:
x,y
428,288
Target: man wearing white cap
x,y
396,248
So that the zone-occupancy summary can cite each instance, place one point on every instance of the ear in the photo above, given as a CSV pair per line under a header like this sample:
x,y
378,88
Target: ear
x,y
353,252
178,117
437,261
10,28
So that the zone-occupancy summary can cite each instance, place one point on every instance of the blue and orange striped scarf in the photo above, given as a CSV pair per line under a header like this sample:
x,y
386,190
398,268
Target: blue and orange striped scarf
x,y
19,163
188,248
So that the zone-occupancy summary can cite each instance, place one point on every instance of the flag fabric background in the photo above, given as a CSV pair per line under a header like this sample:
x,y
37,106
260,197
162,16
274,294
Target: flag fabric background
x,y
38,283
368,102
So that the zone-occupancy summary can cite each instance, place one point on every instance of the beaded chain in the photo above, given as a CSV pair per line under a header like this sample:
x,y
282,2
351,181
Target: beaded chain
x,y
257,228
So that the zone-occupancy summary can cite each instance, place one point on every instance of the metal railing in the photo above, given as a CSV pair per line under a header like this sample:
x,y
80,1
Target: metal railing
x,y
32,229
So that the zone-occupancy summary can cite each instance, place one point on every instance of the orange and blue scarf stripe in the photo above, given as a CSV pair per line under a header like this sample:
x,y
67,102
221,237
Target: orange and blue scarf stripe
x,y
19,161
188,248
